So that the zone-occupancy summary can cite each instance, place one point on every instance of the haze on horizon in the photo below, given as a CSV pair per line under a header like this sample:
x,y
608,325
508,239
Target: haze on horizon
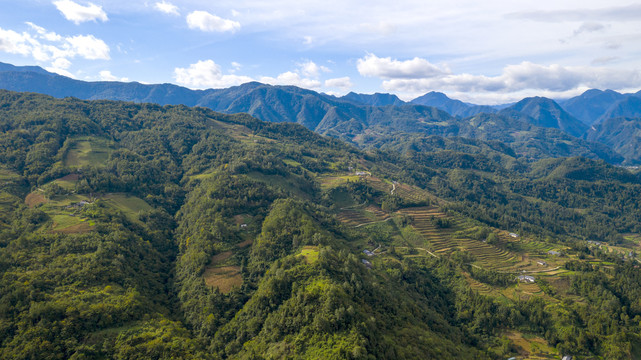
x,y
486,53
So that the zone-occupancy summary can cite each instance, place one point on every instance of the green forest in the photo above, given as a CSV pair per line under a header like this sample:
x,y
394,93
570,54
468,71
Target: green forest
x,y
140,231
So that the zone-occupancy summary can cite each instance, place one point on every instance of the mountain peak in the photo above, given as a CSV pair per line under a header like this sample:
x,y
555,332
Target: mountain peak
x,y
376,99
4,67
547,113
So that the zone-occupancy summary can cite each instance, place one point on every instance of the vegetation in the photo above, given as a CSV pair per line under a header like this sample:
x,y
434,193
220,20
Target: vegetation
x,y
144,231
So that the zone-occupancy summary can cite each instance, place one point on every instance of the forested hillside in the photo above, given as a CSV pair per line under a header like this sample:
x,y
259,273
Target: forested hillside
x,y
144,231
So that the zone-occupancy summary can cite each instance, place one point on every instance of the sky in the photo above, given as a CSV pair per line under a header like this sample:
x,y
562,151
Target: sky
x,y
488,52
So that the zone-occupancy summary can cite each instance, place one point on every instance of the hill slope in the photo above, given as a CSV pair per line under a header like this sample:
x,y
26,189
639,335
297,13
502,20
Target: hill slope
x,y
145,231
592,104
547,113
628,107
622,134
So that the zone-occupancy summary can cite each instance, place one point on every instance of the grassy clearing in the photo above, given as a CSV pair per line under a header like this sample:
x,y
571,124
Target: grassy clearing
x,y
88,151
329,182
68,182
69,224
532,347
66,200
131,206
290,183
310,253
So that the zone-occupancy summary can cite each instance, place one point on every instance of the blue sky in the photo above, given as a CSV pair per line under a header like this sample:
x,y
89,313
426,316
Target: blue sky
x,y
482,52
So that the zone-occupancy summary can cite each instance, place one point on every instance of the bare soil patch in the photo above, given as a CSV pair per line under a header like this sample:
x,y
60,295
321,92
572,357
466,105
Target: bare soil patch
x,y
245,243
34,199
224,278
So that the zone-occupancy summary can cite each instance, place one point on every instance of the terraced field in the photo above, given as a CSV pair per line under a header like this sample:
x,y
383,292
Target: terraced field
x,y
443,240
360,216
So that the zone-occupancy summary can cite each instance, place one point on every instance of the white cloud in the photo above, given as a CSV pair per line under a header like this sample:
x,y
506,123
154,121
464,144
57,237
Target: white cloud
x,y
587,27
61,63
79,13
88,47
343,83
207,74
526,77
205,21
615,13
386,68
167,8
59,71
292,78
310,69
308,40
45,46
106,75
15,43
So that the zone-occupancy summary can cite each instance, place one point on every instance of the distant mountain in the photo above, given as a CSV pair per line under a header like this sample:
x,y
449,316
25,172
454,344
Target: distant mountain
x,y
36,69
630,106
527,141
59,86
376,99
345,119
453,107
545,112
591,105
621,134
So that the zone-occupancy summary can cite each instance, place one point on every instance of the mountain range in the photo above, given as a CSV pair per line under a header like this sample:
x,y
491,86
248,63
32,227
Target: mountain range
x,y
534,127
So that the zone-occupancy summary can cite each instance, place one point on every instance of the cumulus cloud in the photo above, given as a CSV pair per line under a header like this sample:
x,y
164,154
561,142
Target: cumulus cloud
x,y
311,69
106,75
343,83
88,47
78,13
16,43
205,21
46,46
207,74
292,78
525,76
61,63
167,8
386,68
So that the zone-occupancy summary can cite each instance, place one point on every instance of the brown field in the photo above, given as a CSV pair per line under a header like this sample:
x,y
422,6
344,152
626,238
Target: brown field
x,y
218,258
35,198
70,177
76,229
224,278
245,243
